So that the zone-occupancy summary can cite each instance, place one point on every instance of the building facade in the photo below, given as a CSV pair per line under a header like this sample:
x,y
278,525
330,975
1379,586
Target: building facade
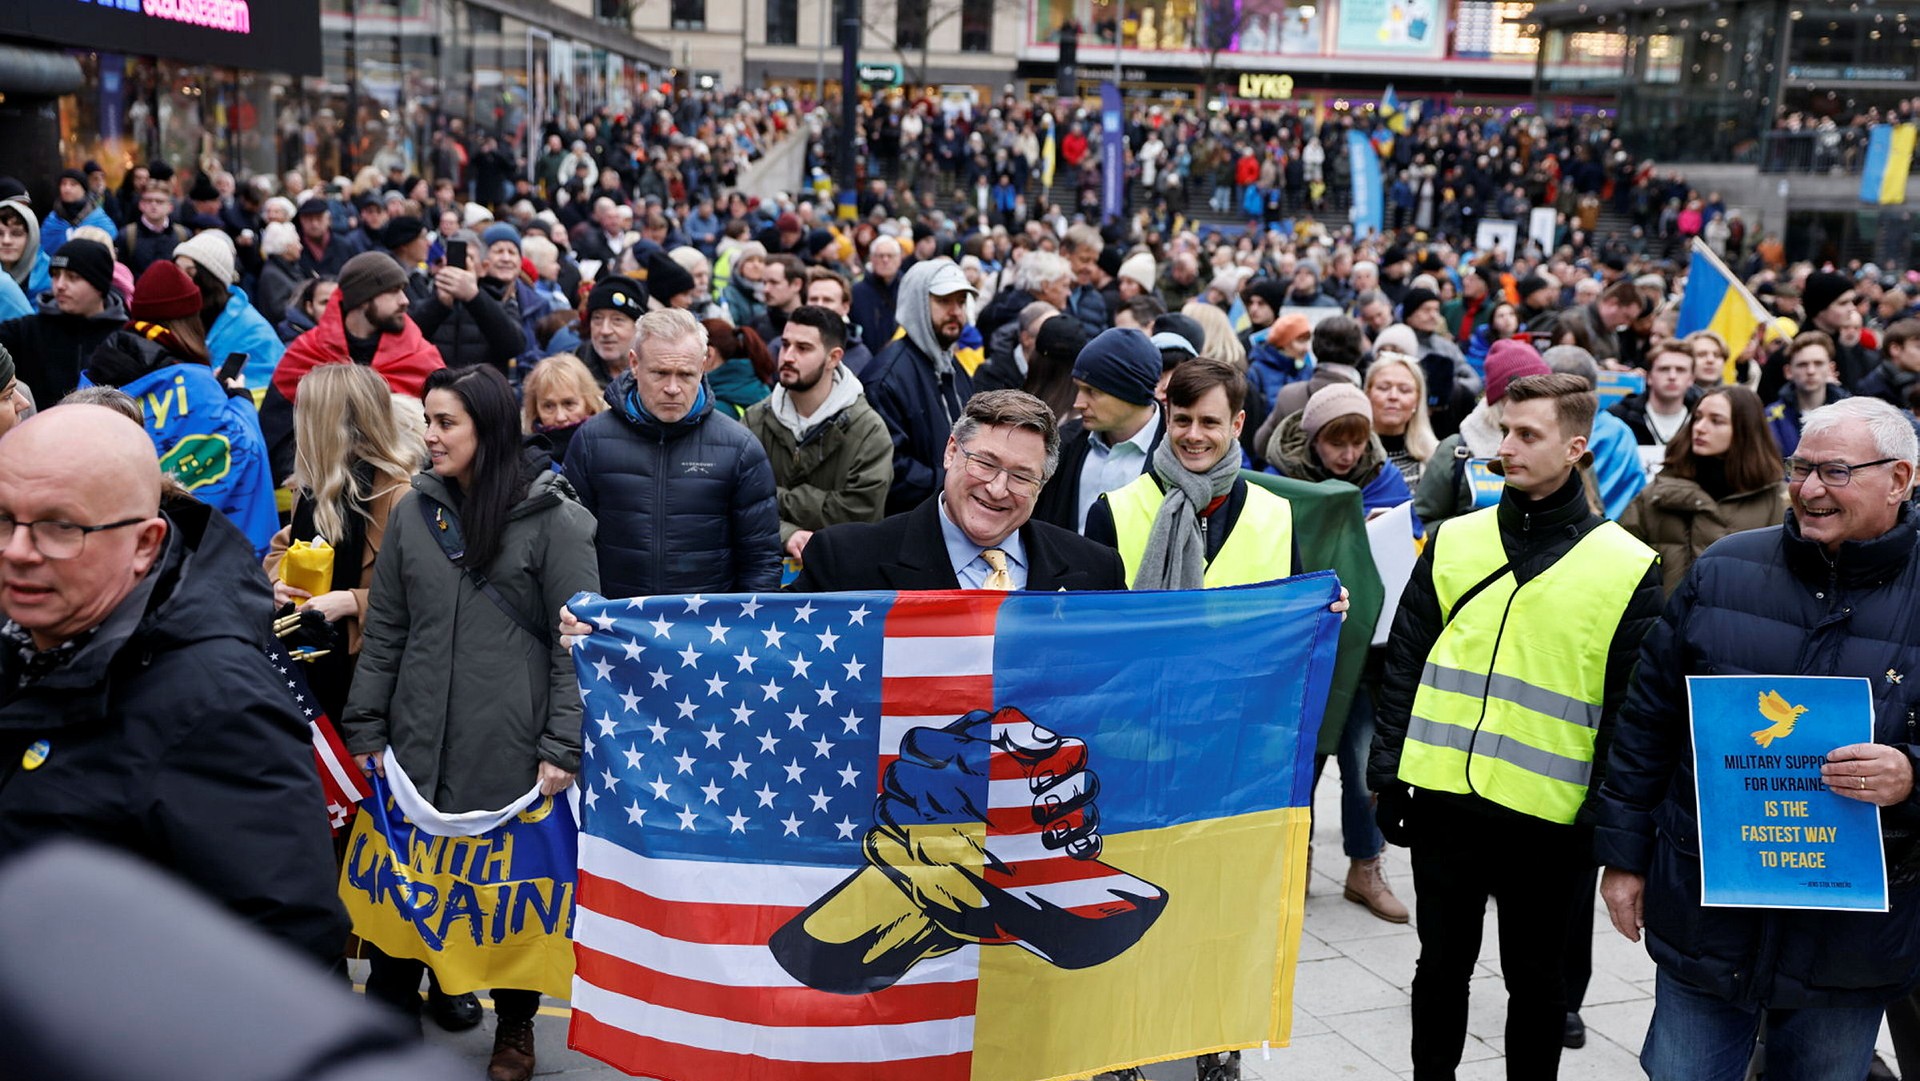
x,y
325,86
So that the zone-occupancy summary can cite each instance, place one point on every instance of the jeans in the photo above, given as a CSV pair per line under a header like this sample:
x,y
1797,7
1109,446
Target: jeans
x,y
1461,857
1359,833
1698,1036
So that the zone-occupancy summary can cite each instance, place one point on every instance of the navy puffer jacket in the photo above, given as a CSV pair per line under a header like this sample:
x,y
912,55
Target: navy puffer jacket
x,y
686,507
1770,602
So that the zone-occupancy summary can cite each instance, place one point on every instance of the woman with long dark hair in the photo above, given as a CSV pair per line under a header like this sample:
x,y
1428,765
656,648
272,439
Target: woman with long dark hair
x,y
460,675
1722,475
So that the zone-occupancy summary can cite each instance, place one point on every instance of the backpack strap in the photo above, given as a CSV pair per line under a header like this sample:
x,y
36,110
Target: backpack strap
x,y
444,526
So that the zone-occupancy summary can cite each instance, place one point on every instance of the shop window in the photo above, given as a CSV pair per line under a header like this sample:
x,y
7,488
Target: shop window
x,y
910,24
783,22
689,14
976,26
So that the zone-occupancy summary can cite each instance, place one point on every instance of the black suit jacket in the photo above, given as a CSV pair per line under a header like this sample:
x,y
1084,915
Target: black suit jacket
x,y
907,551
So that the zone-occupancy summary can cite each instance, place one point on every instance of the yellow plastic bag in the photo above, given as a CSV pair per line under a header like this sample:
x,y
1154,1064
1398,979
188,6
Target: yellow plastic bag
x,y
309,566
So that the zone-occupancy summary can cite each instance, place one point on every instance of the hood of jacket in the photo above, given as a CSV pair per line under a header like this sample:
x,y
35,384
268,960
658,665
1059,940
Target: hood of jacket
x,y
404,360
735,383
205,585
127,356
1671,493
846,390
22,268
623,395
114,311
915,316
1290,449
1479,432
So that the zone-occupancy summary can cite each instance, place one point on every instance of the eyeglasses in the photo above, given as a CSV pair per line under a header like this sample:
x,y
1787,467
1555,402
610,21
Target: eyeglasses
x,y
1832,474
987,472
55,539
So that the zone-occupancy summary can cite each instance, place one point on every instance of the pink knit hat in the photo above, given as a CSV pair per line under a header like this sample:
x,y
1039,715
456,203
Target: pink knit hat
x,y
1509,360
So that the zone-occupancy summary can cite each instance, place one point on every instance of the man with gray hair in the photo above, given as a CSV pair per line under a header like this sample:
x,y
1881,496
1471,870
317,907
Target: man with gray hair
x,y
1041,276
876,295
683,493
1829,592
1616,470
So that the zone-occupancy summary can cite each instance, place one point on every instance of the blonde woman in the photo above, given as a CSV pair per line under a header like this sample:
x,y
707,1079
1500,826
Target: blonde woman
x,y
1222,343
352,465
558,396
1397,387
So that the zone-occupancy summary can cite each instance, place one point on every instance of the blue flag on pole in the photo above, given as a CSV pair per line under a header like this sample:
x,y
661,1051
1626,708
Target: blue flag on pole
x,y
1113,155
1368,214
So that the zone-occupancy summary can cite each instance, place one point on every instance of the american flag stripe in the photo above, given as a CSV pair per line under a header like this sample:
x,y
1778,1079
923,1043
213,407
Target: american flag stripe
x,y
793,1042
772,1006
673,1058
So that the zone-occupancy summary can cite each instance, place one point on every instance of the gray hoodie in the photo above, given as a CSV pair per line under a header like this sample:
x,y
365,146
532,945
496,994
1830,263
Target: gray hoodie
x,y
846,390
914,313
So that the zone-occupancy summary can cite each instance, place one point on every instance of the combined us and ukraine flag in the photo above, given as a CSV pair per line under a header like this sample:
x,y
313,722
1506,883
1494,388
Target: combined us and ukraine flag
x,y
964,836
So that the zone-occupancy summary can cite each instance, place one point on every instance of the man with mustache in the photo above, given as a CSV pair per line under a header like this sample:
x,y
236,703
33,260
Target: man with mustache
x,y
915,384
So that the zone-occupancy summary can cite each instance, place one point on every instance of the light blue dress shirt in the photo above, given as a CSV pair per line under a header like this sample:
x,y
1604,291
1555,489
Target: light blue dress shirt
x,y
968,566
1109,469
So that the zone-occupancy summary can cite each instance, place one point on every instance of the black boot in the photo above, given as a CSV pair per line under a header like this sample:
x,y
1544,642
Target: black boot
x,y
1574,1036
454,1013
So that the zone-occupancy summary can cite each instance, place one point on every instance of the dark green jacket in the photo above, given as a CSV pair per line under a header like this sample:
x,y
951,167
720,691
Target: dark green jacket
x,y
839,473
469,701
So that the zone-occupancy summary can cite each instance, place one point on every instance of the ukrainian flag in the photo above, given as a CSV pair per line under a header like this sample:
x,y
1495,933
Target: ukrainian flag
x,y
1883,180
1046,162
1715,300
1392,113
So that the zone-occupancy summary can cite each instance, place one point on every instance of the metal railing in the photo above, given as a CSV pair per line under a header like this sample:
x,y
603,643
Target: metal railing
x,y
1838,150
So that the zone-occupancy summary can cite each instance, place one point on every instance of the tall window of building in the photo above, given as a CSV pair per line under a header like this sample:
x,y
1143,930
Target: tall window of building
x,y
783,22
976,26
910,24
689,14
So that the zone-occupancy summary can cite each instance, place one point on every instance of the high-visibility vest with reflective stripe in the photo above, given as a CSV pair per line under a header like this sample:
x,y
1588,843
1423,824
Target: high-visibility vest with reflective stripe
x,y
1260,548
1509,703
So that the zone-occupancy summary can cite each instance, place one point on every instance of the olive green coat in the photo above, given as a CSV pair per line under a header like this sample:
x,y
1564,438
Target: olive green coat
x,y
1678,519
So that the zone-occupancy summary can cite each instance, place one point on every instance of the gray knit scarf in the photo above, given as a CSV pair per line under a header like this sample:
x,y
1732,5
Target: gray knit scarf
x,y
1176,554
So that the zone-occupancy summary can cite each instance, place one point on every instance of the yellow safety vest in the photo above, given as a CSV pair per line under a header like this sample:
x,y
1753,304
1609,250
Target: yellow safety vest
x,y
1260,548
1510,700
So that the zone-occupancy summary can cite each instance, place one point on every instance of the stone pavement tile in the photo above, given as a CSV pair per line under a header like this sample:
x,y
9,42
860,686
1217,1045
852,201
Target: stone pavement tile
x,y
1605,987
1333,919
1312,949
1387,1036
1389,957
1327,1057
1595,1062
1487,1008
1616,956
1340,985
1624,1024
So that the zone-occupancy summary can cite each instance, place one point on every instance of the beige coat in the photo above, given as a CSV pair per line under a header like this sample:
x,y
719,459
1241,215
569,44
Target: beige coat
x,y
387,492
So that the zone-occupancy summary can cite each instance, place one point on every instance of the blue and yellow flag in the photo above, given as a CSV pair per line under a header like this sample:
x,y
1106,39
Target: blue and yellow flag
x,y
211,443
1883,178
1715,300
944,836
1047,153
1392,112
485,899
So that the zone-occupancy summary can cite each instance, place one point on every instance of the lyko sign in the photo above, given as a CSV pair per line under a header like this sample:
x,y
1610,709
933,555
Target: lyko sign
x,y
1266,87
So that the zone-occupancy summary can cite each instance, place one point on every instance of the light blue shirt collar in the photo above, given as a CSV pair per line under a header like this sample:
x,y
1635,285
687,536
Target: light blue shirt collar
x,y
968,567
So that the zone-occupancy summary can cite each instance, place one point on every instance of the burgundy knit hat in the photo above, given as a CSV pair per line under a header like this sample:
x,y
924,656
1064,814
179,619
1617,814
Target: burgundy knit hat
x,y
164,292
1509,360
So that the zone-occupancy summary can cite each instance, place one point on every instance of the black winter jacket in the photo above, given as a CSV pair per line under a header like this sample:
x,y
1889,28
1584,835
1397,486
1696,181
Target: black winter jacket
x,y
169,736
919,407
1535,534
686,507
1633,410
477,331
51,349
1770,601
1059,501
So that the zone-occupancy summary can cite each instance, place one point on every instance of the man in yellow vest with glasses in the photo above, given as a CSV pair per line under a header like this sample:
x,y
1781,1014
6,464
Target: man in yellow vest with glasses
x,y
1191,521
1507,664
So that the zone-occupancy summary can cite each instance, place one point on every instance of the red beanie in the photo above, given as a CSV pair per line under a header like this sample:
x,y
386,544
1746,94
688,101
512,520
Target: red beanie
x,y
164,292
1509,360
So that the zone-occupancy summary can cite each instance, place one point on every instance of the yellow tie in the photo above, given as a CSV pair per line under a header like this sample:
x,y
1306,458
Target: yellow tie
x,y
999,579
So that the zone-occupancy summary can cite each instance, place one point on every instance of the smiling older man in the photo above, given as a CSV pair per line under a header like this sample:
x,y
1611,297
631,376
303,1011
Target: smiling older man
x,y
1831,592
976,532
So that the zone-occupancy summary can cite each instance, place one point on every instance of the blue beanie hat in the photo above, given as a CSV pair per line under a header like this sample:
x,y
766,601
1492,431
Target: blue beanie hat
x,y
498,232
1122,362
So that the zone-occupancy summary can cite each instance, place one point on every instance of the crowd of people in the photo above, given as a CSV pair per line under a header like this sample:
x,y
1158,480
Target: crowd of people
x,y
609,370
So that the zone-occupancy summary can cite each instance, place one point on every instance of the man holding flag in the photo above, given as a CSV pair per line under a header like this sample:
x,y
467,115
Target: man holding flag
x,y
1508,661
